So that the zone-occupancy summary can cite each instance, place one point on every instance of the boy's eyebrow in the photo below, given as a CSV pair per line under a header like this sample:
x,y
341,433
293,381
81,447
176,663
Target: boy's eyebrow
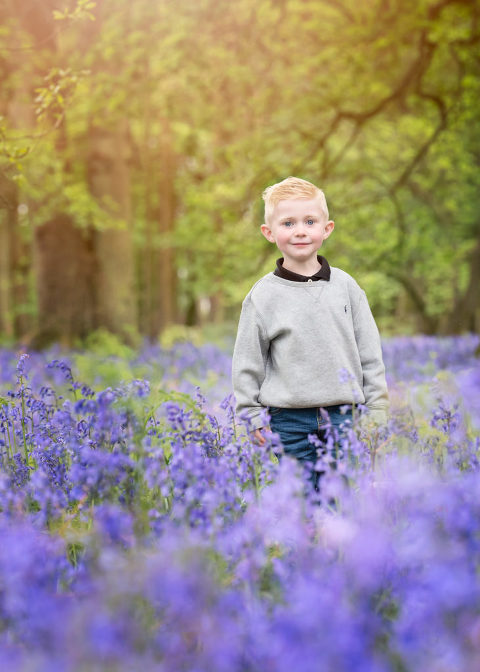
x,y
283,219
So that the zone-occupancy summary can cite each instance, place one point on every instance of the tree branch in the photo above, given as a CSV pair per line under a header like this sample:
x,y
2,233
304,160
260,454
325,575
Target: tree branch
x,y
341,8
409,284
408,170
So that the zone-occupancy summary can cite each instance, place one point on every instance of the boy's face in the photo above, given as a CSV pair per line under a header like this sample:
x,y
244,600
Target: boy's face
x,y
298,227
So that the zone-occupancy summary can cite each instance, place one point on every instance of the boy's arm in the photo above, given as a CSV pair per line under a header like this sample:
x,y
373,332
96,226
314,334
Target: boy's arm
x,y
370,350
249,364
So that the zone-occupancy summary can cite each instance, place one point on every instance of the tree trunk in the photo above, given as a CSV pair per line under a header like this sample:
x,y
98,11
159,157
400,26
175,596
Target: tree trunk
x,y
20,253
16,302
427,324
164,270
8,218
109,178
217,298
466,311
157,269
64,269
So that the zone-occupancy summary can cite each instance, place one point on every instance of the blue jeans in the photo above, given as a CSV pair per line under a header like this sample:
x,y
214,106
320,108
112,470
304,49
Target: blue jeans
x,y
294,425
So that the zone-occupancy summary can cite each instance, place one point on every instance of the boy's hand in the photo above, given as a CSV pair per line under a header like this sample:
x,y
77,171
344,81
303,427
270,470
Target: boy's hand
x,y
258,437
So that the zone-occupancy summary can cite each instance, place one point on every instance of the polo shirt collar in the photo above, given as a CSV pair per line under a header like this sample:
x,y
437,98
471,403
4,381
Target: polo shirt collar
x,y
322,274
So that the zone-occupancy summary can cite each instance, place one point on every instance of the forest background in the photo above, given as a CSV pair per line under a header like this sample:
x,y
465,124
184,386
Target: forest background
x,y
136,139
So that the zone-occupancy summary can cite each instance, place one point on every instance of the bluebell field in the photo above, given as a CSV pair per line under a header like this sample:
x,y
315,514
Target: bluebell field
x,y
141,529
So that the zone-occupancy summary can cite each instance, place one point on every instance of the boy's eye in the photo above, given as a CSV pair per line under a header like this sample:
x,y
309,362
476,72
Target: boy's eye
x,y
310,221
287,223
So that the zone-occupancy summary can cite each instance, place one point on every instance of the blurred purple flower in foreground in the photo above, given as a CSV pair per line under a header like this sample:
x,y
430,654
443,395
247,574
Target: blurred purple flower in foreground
x,y
141,527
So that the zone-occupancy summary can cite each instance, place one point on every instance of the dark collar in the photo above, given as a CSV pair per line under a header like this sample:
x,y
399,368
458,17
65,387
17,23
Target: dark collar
x,y
322,274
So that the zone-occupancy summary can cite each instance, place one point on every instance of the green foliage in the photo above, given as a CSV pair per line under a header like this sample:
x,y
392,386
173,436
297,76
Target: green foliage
x,y
375,102
58,90
82,10
10,148
105,359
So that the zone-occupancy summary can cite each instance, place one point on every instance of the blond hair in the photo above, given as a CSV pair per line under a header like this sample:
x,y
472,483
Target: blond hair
x,y
292,188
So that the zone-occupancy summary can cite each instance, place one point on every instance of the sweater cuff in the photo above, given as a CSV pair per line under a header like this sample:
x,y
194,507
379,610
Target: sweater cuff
x,y
258,423
255,419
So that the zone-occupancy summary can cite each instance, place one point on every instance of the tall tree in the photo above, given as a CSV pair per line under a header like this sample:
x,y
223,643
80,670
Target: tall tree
x,y
145,196
26,29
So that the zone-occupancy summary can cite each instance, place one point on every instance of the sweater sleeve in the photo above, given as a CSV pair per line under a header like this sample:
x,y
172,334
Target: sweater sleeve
x,y
370,350
249,364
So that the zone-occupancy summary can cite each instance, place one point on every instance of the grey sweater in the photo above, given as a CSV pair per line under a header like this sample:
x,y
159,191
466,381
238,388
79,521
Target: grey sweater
x,y
307,344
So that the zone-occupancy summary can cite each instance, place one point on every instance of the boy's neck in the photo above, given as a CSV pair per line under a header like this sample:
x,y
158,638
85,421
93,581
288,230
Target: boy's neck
x,y
307,268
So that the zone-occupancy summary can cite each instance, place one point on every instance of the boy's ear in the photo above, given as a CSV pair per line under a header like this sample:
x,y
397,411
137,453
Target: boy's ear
x,y
267,232
330,225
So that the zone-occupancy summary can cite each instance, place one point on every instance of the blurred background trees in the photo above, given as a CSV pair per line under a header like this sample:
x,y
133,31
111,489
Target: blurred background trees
x,y
136,139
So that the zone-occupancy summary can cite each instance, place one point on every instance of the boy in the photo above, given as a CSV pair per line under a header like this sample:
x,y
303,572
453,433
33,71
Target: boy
x,y
307,343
